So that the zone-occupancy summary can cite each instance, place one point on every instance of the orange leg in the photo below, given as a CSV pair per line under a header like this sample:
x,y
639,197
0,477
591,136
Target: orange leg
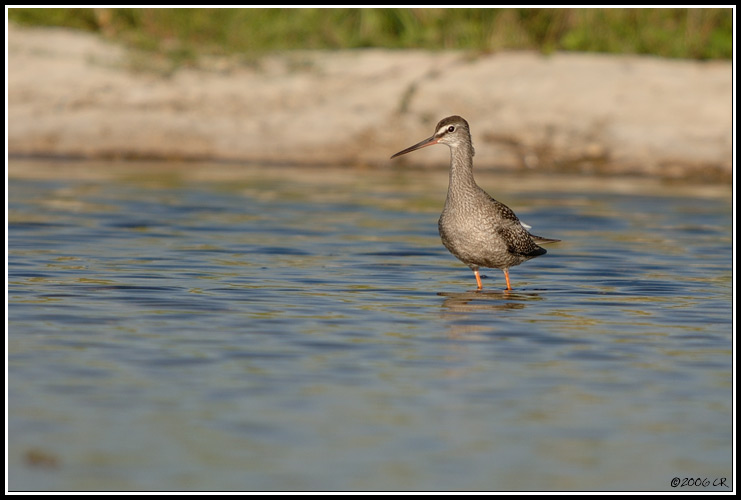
x,y
478,278
506,277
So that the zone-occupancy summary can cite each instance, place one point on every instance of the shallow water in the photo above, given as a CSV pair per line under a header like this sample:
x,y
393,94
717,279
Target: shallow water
x,y
223,327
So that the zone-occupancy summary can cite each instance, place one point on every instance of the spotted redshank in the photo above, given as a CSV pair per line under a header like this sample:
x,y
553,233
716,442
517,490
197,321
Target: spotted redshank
x,y
476,228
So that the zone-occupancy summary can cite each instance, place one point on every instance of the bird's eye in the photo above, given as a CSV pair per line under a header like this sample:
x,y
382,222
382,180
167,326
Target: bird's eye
x,y
451,128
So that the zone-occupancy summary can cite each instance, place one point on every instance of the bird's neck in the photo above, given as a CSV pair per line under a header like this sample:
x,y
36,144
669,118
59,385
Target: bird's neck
x,y
461,172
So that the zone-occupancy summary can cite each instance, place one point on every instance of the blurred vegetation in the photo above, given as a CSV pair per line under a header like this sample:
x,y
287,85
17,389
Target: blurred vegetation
x,y
184,34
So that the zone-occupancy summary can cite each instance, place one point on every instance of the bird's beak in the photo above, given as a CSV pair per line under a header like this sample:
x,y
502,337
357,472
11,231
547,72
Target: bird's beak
x,y
427,142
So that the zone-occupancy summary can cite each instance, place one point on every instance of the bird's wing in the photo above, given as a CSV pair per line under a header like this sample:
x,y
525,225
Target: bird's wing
x,y
508,215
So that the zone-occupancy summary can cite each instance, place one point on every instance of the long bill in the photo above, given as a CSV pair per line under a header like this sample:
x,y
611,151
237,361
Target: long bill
x,y
427,142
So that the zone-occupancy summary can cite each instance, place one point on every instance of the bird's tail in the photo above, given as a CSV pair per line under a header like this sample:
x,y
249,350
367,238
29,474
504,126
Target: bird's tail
x,y
539,240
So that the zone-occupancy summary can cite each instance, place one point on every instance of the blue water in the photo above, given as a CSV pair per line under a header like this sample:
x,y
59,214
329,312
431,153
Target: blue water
x,y
224,327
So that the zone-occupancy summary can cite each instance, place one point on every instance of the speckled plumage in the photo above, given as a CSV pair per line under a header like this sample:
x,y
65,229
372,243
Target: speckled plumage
x,y
476,228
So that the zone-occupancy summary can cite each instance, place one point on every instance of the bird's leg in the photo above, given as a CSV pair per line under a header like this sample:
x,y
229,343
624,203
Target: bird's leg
x,y
506,277
478,278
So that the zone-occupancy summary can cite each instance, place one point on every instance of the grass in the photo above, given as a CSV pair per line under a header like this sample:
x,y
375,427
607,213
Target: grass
x,y
184,34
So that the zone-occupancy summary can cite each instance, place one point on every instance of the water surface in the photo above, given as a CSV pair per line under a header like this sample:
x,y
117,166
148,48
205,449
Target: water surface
x,y
226,327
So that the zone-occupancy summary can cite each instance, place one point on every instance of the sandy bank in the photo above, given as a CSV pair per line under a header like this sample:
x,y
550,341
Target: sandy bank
x,y
74,94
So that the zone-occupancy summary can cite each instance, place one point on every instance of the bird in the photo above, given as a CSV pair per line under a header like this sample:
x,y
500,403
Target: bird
x,y
477,229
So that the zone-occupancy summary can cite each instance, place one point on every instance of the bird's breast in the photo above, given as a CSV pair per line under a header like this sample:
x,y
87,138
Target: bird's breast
x,y
469,236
